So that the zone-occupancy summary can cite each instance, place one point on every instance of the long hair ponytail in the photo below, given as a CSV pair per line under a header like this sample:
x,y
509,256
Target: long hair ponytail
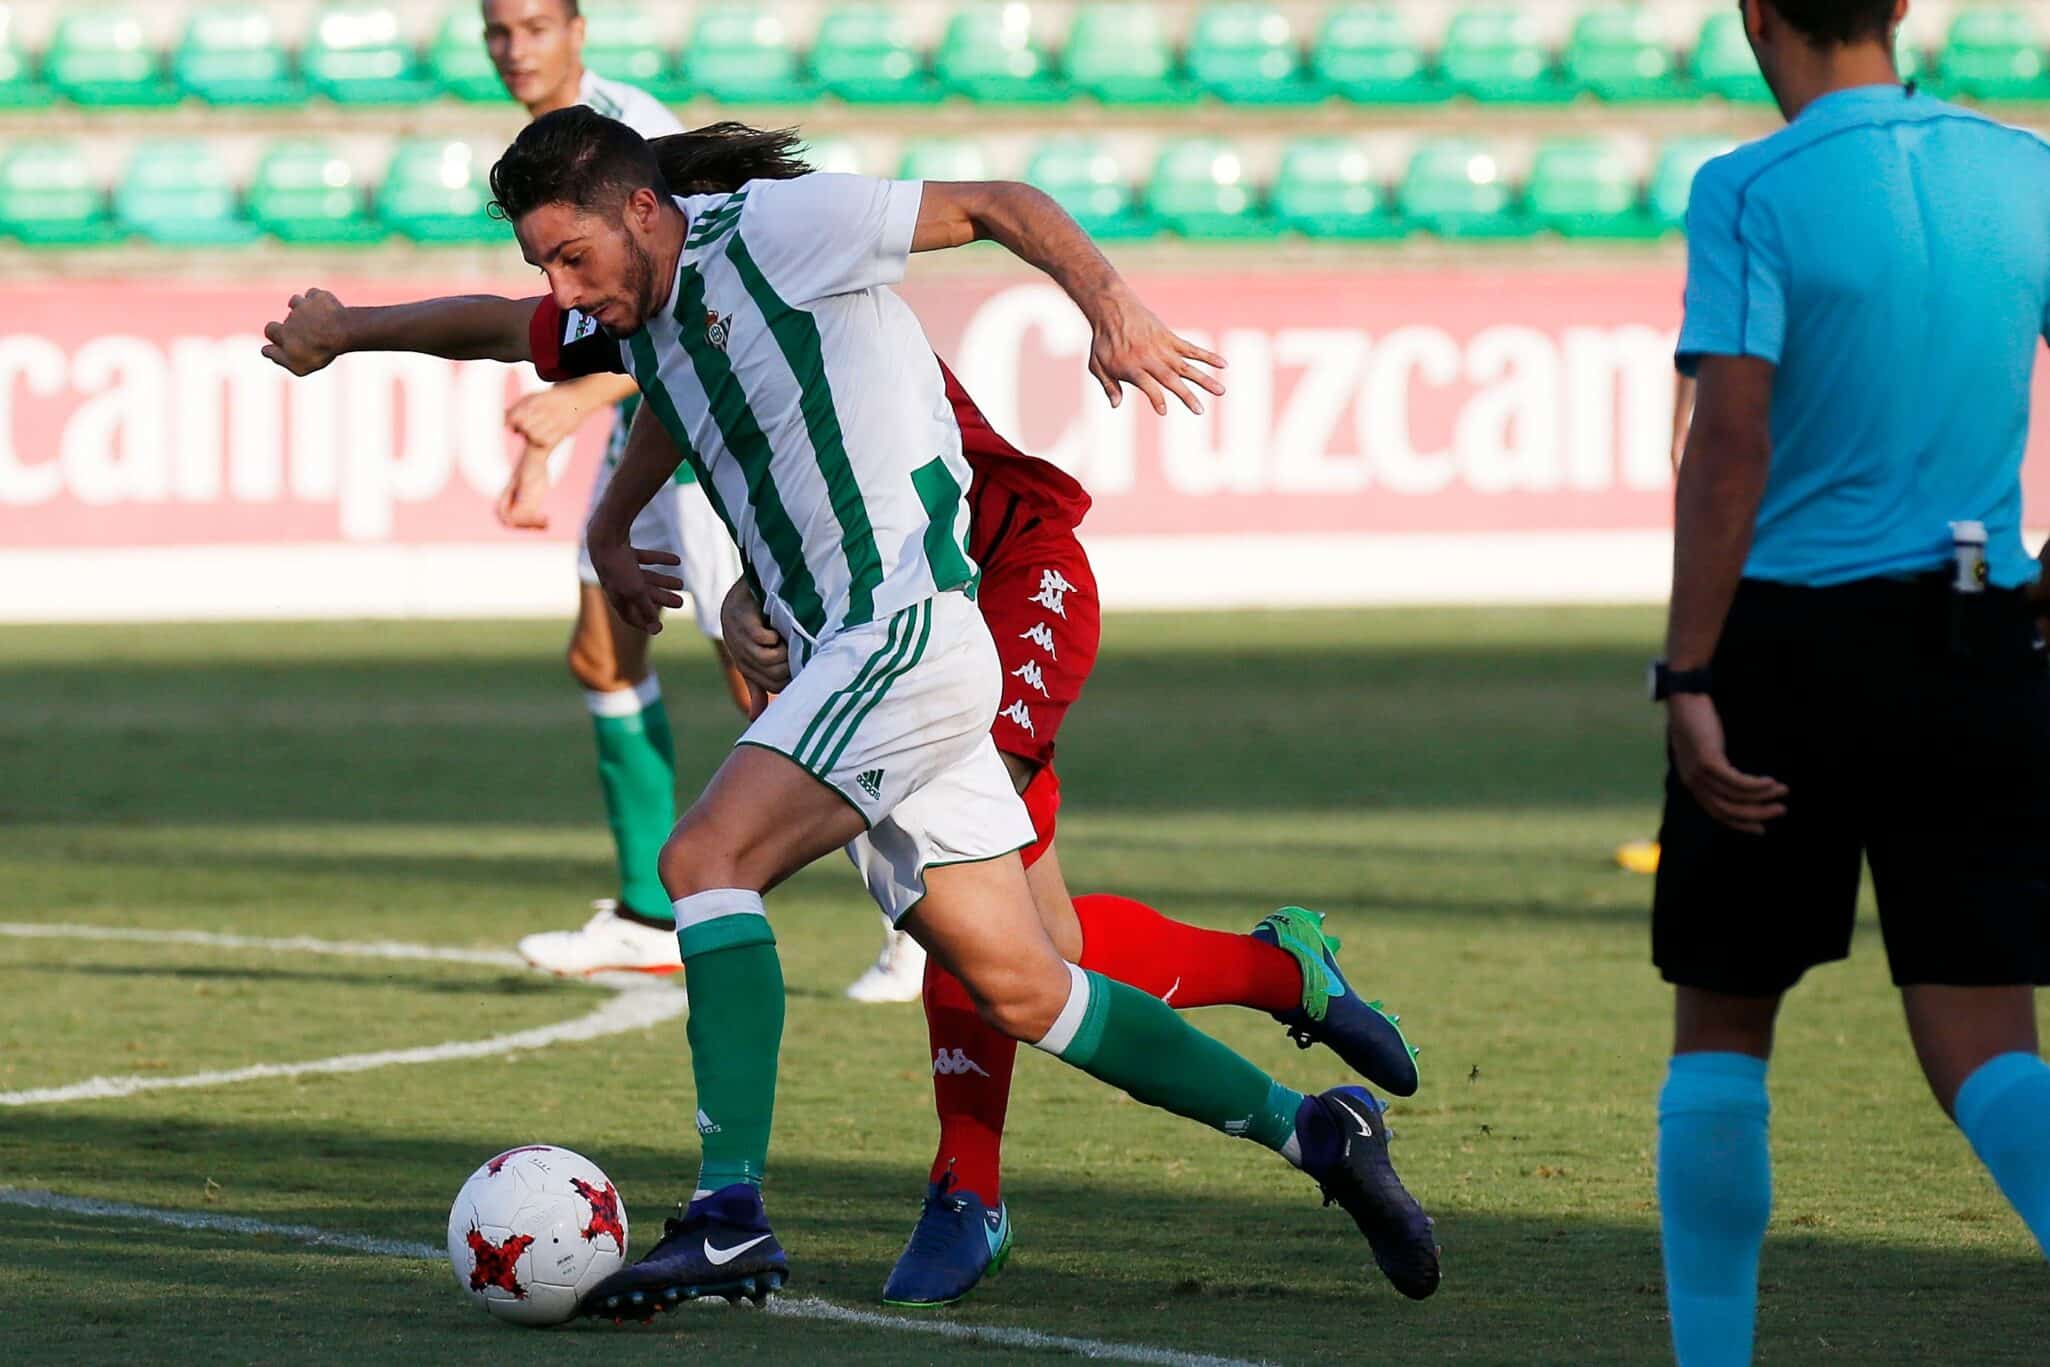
x,y
725,156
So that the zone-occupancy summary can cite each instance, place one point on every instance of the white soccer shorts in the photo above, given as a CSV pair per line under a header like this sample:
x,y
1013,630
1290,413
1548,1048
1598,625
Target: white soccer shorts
x,y
894,716
679,520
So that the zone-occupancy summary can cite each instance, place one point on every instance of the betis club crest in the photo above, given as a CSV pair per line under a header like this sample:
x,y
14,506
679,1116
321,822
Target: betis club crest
x,y
718,329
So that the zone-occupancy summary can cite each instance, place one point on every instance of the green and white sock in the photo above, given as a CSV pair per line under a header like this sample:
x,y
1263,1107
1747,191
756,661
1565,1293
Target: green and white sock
x,y
637,773
735,983
1140,1044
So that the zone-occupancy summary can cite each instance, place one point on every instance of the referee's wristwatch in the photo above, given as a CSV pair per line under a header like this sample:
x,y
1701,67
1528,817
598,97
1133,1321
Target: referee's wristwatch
x,y
1665,681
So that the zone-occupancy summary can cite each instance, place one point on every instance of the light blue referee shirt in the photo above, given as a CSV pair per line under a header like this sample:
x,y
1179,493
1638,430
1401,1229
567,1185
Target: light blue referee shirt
x,y
1890,253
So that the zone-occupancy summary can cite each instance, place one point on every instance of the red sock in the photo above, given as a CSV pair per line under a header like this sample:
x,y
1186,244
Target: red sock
x,y
971,1086
1184,965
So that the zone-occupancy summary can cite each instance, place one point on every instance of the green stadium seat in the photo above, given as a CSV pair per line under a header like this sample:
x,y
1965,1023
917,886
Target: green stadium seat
x,y
1995,54
1456,187
1085,179
739,55
1584,187
864,54
1672,179
1620,53
1326,188
1200,189
231,55
1723,63
358,54
179,194
1120,54
988,55
48,197
434,191
1247,54
1367,54
1495,55
458,61
306,192
949,159
21,86
101,57
624,43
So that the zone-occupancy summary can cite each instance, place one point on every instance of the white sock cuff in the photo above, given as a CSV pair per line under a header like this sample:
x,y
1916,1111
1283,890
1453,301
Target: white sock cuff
x,y
1057,1040
701,907
616,702
649,690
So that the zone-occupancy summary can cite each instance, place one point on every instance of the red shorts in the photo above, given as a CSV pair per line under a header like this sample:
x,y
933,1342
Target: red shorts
x,y
1038,596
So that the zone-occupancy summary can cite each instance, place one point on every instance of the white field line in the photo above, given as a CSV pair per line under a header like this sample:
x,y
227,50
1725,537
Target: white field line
x,y
798,1308
640,1003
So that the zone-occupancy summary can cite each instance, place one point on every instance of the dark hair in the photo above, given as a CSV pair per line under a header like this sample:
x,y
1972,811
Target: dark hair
x,y
726,156
574,156
1833,23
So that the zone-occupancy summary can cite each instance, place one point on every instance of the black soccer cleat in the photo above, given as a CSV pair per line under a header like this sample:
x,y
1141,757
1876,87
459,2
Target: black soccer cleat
x,y
1344,1143
722,1246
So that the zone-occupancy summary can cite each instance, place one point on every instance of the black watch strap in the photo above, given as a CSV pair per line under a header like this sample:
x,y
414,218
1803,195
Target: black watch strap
x,y
1666,681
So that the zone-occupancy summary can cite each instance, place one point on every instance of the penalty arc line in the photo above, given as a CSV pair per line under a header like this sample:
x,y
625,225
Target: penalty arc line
x,y
639,1004
797,1308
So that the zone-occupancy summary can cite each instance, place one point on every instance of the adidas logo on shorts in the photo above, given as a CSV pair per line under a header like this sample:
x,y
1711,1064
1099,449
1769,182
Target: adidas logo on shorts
x,y
871,782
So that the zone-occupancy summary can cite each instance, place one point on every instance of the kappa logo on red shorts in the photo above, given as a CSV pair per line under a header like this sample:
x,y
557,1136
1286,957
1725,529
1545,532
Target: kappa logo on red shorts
x,y
497,1264
605,1219
1033,677
1053,592
1041,635
1020,716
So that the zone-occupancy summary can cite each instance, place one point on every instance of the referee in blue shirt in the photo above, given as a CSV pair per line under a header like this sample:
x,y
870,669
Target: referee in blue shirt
x,y
1852,668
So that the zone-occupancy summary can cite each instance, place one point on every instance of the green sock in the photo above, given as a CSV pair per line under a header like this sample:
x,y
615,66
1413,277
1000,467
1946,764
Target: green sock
x,y
735,983
637,771
1136,1042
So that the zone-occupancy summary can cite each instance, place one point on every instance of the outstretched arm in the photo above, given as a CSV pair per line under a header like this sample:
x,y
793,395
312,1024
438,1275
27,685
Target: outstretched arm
x,y
317,327
1131,346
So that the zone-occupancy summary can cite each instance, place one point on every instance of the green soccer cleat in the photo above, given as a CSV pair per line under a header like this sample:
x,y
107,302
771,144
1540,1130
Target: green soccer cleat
x,y
1364,1034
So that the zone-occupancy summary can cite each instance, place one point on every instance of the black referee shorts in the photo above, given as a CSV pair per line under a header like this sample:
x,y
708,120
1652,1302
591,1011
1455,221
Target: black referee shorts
x,y
1912,728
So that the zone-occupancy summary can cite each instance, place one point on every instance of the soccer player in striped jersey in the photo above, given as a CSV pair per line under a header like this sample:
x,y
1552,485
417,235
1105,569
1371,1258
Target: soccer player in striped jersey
x,y
774,357
538,48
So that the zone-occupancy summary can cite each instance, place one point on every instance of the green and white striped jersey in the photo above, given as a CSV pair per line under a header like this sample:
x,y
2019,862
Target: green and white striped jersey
x,y
805,394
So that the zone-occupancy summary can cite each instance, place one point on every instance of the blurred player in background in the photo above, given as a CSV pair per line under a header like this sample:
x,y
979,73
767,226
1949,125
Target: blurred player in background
x,y
1854,674
538,48
1642,856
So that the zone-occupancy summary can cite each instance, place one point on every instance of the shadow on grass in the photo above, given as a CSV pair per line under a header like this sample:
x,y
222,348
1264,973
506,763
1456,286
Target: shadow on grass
x,y
524,984
1184,1265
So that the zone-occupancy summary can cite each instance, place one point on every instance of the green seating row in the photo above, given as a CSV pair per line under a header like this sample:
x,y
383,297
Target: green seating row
x,y
180,193
1242,51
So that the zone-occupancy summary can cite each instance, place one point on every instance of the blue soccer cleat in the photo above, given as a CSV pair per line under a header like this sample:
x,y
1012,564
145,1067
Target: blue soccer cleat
x,y
721,1247
1368,1038
956,1243
1344,1142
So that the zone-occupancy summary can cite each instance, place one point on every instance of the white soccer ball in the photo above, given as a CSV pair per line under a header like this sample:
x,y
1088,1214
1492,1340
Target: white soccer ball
x,y
533,1230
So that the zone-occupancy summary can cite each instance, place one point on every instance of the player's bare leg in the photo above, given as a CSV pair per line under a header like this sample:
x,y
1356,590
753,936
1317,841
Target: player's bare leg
x,y
1977,1046
637,774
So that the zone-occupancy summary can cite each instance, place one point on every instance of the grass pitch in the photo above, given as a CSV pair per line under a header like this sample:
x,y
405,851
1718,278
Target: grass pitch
x,y
1446,784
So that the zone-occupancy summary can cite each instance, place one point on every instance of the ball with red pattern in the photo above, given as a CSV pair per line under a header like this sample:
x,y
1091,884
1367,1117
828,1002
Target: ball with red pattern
x,y
532,1230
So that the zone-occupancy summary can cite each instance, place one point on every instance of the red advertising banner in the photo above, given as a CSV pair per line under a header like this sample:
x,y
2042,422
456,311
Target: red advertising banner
x,y
135,414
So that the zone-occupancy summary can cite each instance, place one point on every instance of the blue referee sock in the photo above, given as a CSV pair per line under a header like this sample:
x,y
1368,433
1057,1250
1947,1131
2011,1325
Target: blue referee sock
x,y
1715,1196
2004,1109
